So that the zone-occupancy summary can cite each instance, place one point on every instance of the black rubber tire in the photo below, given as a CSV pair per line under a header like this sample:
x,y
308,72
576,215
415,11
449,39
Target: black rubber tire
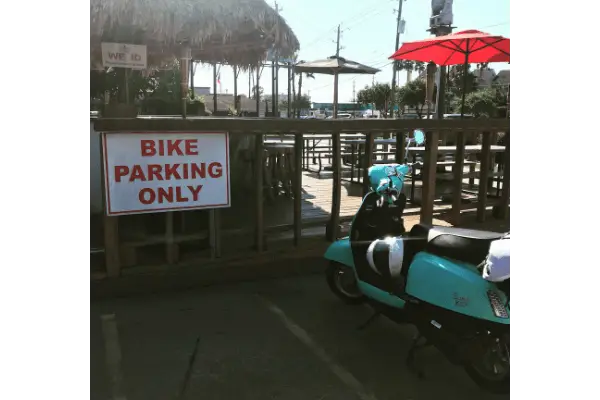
x,y
330,274
492,386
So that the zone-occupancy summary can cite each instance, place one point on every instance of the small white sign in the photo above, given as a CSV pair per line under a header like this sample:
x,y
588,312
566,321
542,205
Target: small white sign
x,y
171,171
123,55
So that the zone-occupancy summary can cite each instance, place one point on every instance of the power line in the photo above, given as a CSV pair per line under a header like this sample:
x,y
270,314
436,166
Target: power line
x,y
363,15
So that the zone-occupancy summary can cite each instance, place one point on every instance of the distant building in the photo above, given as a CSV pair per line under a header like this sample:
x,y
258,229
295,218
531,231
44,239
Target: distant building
x,y
503,77
202,90
226,101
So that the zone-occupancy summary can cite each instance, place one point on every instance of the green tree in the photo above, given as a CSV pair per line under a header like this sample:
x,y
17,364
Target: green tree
x,y
456,80
300,103
406,65
381,96
113,81
260,91
377,95
419,67
365,96
481,103
309,75
413,95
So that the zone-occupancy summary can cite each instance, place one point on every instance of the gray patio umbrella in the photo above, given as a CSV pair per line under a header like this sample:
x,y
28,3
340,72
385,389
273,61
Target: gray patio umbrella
x,y
335,66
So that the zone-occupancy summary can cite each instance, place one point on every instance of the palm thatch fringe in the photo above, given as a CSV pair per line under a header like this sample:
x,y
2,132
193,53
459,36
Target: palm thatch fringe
x,y
218,31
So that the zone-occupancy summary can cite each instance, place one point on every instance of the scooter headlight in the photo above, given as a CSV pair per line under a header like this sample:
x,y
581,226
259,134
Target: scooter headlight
x,y
497,304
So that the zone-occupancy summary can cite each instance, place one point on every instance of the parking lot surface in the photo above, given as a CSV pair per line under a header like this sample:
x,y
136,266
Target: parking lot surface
x,y
275,339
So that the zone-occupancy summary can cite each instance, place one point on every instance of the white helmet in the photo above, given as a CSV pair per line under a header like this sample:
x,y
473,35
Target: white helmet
x,y
386,255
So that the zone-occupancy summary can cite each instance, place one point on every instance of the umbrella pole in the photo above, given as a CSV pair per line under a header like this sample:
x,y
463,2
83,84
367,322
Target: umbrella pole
x,y
335,95
464,91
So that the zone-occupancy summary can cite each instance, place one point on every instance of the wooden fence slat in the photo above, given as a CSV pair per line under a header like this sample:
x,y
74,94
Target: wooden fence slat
x,y
110,225
297,187
367,161
212,239
429,175
484,173
400,147
505,197
336,198
459,164
111,246
258,195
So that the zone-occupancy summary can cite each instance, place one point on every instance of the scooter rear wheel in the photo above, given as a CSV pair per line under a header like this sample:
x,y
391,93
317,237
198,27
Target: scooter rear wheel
x,y
492,372
342,282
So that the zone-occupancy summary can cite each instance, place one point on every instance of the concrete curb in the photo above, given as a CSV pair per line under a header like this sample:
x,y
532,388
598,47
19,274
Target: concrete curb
x,y
294,262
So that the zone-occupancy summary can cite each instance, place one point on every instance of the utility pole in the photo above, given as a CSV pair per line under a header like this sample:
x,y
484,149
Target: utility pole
x,y
337,49
394,67
335,77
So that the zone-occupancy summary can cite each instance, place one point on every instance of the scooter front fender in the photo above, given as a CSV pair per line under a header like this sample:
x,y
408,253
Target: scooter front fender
x,y
341,252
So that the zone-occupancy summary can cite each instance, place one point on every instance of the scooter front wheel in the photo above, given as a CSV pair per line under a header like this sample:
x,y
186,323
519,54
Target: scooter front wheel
x,y
492,371
342,282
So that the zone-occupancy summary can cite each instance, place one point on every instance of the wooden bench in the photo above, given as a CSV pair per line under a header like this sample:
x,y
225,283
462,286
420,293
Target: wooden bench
x,y
329,155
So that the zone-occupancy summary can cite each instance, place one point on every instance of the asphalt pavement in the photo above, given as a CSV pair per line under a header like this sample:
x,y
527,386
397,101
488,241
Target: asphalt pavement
x,y
275,339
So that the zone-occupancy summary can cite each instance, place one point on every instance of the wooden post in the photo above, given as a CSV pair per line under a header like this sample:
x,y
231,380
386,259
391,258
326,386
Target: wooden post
x,y
429,175
257,95
368,160
258,187
112,258
171,246
400,149
336,197
215,95
459,165
111,246
212,228
505,197
484,172
235,89
297,188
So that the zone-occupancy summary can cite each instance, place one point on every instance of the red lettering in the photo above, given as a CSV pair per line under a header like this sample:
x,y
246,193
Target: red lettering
x,y
171,170
116,56
137,173
148,148
121,171
161,148
215,170
198,170
154,171
173,147
149,199
165,194
191,147
179,196
186,174
195,191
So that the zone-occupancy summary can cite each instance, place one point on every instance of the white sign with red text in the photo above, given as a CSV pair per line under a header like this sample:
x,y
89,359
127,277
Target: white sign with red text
x,y
158,172
123,55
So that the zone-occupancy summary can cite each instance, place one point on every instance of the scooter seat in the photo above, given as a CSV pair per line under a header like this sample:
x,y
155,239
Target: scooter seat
x,y
468,245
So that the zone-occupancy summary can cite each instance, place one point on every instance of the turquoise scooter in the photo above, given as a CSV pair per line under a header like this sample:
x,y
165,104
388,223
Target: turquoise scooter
x,y
430,277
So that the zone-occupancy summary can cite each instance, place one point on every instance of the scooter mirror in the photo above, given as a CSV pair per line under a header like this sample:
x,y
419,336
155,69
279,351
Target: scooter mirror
x,y
419,136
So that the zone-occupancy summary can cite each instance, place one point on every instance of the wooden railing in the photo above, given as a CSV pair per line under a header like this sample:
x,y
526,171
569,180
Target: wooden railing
x,y
435,131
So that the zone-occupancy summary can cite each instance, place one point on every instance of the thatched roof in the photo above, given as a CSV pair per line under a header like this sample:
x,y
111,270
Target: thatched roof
x,y
222,31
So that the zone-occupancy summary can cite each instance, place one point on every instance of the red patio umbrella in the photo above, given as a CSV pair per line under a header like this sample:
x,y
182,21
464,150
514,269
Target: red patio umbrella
x,y
470,46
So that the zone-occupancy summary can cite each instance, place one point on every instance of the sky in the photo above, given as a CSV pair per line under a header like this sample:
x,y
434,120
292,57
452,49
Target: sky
x,y
368,36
